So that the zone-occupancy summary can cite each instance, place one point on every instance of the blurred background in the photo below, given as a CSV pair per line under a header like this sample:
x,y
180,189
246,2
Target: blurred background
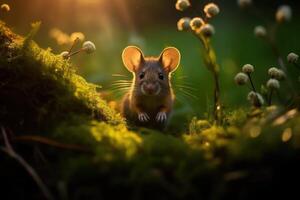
x,y
152,25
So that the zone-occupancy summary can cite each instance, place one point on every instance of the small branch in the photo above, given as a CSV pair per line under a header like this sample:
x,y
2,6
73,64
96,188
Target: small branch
x,y
73,45
10,151
75,52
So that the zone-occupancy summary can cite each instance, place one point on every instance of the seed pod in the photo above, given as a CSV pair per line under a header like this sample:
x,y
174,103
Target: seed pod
x,y
255,99
273,84
64,54
241,78
283,14
260,32
5,7
184,24
292,58
244,3
196,23
207,30
89,47
248,69
211,10
182,5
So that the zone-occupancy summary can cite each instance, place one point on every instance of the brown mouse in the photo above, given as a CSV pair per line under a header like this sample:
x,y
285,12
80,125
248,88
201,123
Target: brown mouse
x,y
150,100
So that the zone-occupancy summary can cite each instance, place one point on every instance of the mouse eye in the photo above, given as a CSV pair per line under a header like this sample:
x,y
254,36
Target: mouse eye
x,y
142,75
161,76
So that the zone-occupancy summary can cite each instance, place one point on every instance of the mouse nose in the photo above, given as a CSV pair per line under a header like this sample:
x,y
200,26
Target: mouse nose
x,y
150,86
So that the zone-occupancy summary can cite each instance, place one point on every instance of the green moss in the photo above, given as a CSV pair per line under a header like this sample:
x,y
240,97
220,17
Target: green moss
x,y
39,89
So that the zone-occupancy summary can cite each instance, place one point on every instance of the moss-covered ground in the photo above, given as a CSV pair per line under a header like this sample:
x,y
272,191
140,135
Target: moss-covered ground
x,y
83,149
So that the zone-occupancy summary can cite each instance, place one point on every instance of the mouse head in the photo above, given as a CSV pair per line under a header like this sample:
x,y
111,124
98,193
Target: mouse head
x,y
151,74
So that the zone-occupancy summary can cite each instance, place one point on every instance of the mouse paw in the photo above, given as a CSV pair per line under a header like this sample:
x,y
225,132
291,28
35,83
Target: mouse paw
x,y
161,117
143,117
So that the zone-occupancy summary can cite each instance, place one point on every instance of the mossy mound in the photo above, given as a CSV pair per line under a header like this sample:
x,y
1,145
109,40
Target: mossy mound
x,y
39,89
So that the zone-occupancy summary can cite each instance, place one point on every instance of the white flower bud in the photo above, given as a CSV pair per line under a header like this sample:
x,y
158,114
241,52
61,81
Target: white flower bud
x,y
241,78
292,58
64,54
182,5
260,31
89,47
184,24
248,69
273,72
256,99
211,10
196,23
273,84
283,14
244,3
5,7
207,30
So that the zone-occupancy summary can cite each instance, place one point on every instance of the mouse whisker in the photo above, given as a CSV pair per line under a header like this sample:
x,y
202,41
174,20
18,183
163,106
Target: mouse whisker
x,y
185,87
180,77
120,87
187,94
119,75
122,84
123,81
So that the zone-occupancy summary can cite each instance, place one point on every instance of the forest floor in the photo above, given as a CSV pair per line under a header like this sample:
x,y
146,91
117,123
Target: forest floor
x,y
61,140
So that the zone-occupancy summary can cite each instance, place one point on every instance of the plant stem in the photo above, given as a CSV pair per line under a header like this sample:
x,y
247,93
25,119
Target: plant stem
x,y
252,85
270,97
217,100
73,45
272,42
211,64
75,52
254,90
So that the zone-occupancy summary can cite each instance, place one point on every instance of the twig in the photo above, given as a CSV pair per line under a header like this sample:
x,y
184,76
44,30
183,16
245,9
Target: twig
x,y
50,142
10,151
73,45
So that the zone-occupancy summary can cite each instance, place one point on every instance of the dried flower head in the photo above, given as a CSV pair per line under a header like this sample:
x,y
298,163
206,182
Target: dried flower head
x,y
65,54
273,84
5,7
273,72
256,99
292,58
241,78
184,24
283,14
244,3
207,30
211,10
89,47
260,31
248,69
196,23
182,5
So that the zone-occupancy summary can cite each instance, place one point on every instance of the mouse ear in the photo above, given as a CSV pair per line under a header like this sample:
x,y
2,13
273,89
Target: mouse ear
x,y
132,57
170,58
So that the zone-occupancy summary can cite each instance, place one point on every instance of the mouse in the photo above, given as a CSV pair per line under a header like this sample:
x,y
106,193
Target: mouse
x,y
150,99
